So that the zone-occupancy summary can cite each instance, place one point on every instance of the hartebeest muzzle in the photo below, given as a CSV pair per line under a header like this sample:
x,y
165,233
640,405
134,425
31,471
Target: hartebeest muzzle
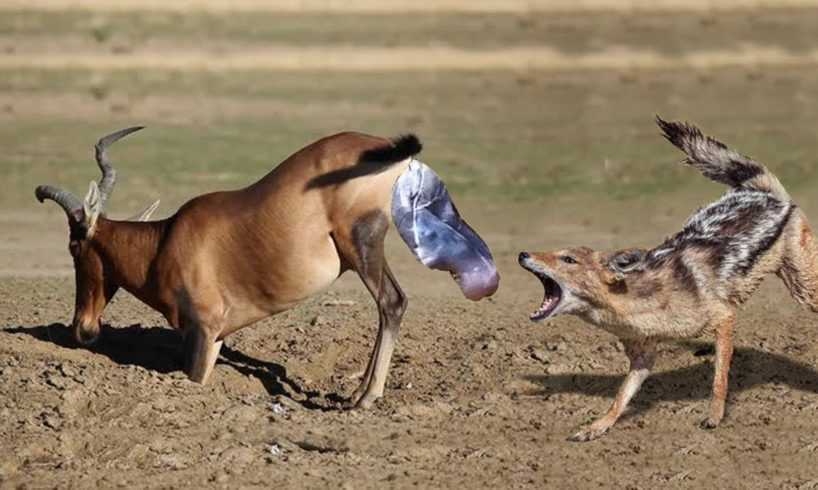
x,y
86,333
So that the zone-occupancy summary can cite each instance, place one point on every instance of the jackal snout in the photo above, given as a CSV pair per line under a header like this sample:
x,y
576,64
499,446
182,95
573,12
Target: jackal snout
x,y
574,279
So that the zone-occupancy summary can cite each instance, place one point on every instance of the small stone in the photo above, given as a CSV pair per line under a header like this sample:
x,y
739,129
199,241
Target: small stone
x,y
338,302
56,381
539,355
287,403
275,450
555,346
277,408
66,370
52,422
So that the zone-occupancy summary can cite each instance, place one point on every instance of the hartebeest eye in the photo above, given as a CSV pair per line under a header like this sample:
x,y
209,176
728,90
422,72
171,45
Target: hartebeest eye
x,y
74,247
568,259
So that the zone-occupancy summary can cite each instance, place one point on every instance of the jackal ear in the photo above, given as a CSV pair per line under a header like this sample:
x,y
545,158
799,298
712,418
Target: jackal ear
x,y
611,277
620,263
91,206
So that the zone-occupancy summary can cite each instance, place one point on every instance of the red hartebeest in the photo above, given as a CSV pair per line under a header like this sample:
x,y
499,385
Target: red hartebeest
x,y
227,259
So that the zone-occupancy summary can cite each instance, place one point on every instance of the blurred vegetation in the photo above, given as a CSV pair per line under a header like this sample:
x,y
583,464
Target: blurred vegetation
x,y
503,137
669,33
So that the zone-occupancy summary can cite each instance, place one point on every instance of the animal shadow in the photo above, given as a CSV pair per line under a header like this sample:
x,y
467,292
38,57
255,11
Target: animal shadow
x,y
749,368
160,349
155,348
275,380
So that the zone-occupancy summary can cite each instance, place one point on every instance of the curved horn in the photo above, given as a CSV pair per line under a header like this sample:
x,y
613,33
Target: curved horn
x,y
69,203
106,184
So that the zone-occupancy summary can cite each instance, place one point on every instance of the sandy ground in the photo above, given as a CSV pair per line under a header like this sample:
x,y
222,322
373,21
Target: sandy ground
x,y
477,395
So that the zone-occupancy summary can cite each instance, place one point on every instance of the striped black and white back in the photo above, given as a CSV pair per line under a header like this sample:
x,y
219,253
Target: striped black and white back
x,y
733,231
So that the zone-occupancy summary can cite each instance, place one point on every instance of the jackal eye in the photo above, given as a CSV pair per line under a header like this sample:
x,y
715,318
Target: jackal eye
x,y
568,259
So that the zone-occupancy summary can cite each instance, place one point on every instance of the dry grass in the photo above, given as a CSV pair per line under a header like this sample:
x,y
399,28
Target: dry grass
x,y
346,6
364,59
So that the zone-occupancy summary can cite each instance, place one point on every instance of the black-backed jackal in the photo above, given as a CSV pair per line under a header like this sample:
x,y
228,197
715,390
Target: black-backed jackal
x,y
692,282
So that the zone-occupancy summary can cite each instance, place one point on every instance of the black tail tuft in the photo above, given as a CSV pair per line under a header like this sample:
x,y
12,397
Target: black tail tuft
x,y
717,162
681,134
401,148
372,161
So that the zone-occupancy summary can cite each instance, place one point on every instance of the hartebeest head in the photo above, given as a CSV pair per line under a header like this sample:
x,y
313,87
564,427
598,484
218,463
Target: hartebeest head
x,y
94,286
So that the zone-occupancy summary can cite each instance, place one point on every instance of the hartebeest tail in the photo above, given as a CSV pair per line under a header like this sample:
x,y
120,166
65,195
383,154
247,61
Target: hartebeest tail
x,y
228,259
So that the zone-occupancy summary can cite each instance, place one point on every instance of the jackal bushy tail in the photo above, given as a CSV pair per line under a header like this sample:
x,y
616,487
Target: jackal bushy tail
x,y
799,260
719,163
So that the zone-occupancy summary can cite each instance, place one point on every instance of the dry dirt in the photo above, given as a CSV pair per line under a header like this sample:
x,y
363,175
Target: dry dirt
x,y
477,395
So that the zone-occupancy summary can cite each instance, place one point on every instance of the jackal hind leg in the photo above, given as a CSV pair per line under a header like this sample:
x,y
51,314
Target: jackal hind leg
x,y
641,356
724,353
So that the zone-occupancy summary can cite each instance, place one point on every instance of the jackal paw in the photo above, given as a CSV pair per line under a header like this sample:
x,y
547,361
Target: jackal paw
x,y
709,424
587,433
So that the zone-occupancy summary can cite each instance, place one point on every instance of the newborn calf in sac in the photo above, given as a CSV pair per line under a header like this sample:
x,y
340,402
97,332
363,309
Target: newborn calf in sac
x,y
429,223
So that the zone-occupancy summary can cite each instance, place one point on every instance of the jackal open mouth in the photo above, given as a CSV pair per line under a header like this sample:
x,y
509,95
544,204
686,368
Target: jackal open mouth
x,y
551,299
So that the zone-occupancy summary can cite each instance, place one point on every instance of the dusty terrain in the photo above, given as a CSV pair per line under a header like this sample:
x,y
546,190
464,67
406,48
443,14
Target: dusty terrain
x,y
477,396
537,114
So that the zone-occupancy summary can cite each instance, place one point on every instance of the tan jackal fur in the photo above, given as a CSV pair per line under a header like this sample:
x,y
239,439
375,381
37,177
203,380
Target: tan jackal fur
x,y
695,280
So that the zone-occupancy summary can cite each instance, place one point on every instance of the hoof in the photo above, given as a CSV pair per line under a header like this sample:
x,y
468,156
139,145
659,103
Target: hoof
x,y
709,424
587,434
354,400
361,403
88,336
364,404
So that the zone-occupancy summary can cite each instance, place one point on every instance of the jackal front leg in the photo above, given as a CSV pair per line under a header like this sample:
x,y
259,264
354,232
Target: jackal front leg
x,y
724,352
641,356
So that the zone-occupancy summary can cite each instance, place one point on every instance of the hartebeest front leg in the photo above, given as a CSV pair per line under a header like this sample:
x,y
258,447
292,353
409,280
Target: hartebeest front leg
x,y
641,356
201,352
724,352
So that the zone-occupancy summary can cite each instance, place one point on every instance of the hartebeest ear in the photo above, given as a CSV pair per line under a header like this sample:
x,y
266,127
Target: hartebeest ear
x,y
91,206
146,214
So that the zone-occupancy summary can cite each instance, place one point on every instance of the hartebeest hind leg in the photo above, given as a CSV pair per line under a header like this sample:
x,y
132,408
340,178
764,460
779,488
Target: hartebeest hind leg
x,y
363,250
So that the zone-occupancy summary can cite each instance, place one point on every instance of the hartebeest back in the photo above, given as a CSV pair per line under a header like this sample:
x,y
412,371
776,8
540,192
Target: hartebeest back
x,y
228,259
